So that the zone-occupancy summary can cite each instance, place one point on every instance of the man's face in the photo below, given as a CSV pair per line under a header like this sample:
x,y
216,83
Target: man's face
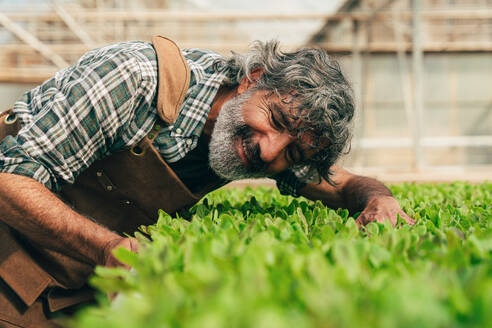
x,y
250,138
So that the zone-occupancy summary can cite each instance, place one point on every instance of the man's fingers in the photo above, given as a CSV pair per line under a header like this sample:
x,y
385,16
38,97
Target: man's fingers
x,y
407,219
133,245
364,218
109,259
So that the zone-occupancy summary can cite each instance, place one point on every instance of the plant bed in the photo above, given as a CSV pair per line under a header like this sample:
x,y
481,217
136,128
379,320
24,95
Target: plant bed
x,y
254,258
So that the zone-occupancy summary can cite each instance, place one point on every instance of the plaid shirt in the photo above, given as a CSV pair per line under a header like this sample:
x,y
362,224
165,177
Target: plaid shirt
x,y
105,103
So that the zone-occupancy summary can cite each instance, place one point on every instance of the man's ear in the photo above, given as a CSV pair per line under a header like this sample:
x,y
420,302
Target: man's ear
x,y
246,83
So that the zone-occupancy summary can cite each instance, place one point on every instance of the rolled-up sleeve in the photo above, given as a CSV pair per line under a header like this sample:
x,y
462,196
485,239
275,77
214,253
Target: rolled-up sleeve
x,y
14,159
82,114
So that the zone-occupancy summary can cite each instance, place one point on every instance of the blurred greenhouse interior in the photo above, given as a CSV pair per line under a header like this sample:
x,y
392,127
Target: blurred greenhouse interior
x,y
421,69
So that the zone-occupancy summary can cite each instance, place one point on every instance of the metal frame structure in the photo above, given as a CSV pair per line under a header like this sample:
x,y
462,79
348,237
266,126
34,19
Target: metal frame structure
x,y
44,42
411,77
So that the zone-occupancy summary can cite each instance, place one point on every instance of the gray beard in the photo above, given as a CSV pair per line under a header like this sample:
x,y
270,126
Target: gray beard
x,y
223,156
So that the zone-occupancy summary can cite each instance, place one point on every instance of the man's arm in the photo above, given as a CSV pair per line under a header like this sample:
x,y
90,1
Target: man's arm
x,y
31,209
361,194
81,115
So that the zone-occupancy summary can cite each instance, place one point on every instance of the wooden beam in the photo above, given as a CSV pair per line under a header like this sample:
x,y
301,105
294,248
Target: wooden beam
x,y
406,86
32,41
418,80
75,27
358,83
159,15
71,49
26,75
378,10
427,142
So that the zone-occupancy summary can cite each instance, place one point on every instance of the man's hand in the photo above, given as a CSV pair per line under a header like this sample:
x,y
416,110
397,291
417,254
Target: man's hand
x,y
358,194
382,208
40,216
109,260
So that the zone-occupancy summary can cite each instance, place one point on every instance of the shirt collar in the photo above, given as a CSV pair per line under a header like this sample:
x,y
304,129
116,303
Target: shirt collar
x,y
205,81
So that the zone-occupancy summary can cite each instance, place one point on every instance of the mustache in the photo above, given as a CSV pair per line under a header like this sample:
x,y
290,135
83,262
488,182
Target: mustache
x,y
252,151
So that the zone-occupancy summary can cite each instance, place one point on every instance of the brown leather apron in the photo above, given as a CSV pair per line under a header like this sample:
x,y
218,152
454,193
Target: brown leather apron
x,y
121,192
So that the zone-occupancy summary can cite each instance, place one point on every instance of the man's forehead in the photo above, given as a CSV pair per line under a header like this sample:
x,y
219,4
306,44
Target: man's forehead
x,y
290,101
286,106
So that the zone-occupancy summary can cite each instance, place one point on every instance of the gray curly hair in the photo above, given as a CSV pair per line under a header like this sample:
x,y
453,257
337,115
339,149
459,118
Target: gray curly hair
x,y
314,82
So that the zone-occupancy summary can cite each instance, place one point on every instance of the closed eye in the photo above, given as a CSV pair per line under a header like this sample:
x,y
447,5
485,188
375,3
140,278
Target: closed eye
x,y
275,122
281,117
294,154
273,114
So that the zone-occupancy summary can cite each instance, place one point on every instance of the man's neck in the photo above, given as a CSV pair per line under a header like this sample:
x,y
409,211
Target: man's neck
x,y
224,94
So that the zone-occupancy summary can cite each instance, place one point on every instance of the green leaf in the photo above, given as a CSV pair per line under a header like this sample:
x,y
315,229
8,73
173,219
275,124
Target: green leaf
x,y
126,256
254,258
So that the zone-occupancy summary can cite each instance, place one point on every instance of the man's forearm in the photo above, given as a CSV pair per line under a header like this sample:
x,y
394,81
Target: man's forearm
x,y
358,190
358,194
35,212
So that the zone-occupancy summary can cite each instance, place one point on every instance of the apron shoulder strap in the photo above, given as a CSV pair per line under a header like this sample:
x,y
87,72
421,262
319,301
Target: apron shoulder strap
x,y
174,78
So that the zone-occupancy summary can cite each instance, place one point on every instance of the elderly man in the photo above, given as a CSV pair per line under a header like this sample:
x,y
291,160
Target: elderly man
x,y
96,150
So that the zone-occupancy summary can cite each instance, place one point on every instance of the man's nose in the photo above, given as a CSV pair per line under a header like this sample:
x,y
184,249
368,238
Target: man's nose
x,y
272,145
